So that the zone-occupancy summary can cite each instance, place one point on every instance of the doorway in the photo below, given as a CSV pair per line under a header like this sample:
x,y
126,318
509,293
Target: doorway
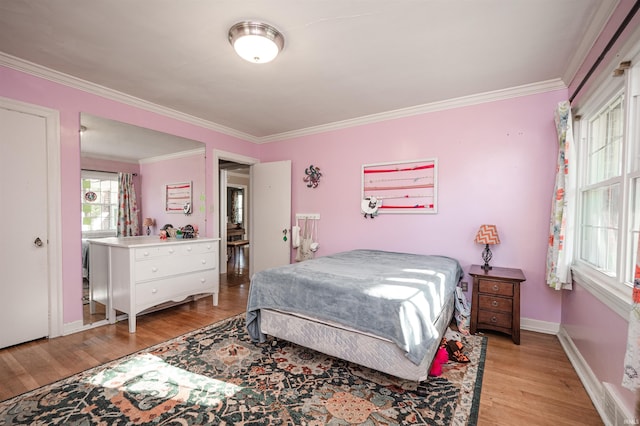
x,y
234,214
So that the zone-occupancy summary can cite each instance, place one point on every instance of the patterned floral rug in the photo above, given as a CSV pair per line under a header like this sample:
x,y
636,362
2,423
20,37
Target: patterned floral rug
x,y
216,376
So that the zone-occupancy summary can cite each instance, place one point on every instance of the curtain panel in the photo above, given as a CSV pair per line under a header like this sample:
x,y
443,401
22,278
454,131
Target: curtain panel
x,y
560,250
127,225
631,379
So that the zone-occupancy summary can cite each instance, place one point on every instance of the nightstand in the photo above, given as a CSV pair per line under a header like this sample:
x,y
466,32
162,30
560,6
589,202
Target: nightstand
x,y
495,302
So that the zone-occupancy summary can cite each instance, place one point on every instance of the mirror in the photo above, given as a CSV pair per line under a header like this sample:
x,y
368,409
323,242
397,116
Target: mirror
x,y
155,159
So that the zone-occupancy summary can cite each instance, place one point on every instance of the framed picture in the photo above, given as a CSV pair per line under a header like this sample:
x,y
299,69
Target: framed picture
x,y
406,187
177,197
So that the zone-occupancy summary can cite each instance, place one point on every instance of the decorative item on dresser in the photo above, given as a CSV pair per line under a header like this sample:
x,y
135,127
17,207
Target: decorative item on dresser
x,y
143,272
496,300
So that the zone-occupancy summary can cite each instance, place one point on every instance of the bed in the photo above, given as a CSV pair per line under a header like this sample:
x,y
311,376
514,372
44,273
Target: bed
x,y
383,310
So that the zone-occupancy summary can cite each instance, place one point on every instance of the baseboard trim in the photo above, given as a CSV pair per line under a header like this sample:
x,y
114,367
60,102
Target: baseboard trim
x,y
72,327
538,326
610,408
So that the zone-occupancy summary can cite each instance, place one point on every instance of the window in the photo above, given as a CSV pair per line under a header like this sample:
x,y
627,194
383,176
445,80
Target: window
x,y
99,194
608,222
601,191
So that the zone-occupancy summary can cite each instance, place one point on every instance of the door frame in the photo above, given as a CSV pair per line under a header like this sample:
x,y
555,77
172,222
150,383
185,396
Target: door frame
x,y
54,216
220,228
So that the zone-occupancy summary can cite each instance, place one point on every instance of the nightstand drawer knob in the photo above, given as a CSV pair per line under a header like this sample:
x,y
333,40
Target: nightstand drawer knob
x,y
494,303
494,319
495,287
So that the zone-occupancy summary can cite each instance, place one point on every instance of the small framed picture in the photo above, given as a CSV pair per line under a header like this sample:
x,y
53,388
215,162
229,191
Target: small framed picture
x,y
177,197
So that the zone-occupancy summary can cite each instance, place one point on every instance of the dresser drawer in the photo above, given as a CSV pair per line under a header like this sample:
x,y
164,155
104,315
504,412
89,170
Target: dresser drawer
x,y
198,247
495,319
494,303
156,251
495,287
174,289
185,248
165,266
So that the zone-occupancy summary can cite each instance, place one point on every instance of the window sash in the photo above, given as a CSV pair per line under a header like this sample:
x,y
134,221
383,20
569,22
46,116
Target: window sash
x,y
99,217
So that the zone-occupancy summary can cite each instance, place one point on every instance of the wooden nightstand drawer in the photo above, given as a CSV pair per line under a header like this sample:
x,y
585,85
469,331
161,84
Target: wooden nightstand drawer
x,y
495,287
494,319
491,303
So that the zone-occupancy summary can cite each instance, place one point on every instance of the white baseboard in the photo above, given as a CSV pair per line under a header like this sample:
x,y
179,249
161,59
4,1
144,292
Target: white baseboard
x,y
73,327
545,327
603,395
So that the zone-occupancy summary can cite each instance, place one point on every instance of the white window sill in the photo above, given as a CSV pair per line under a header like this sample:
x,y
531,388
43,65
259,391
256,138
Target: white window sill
x,y
616,298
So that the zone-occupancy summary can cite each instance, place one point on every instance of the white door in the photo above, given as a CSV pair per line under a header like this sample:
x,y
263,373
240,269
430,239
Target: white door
x,y
24,286
271,215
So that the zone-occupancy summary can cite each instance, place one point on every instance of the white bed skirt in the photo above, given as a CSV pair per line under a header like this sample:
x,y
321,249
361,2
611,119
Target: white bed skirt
x,y
350,345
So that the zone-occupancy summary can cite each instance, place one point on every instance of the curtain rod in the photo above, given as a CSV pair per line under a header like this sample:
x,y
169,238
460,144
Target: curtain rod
x,y
103,171
608,47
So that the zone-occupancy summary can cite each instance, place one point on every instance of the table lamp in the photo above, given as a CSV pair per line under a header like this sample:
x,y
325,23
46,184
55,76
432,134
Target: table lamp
x,y
148,222
487,234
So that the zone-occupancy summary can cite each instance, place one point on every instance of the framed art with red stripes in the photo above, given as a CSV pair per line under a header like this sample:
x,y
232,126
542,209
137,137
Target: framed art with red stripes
x,y
406,187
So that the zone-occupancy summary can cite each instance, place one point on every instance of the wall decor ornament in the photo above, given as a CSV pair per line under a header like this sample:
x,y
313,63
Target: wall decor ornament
x,y
312,176
401,187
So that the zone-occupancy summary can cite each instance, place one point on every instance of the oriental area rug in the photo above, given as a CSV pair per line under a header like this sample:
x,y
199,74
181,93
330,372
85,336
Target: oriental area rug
x,y
216,376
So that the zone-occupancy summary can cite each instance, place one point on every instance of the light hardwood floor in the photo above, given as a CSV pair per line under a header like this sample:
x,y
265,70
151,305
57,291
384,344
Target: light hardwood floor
x,y
533,383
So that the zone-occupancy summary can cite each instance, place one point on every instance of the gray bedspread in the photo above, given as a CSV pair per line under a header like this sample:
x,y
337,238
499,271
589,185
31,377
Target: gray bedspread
x,y
397,296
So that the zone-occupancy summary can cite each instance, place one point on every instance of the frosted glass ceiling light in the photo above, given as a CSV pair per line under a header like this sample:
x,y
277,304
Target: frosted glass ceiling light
x,y
256,42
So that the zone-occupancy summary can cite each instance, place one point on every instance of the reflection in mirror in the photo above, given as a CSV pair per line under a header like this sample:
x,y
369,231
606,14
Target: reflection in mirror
x,y
154,159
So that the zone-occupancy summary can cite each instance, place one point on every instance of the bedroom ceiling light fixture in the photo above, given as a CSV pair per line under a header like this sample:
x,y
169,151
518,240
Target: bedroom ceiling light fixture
x,y
256,42
487,234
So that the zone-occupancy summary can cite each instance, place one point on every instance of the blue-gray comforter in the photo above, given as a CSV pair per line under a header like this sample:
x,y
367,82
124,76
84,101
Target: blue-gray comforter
x,y
397,296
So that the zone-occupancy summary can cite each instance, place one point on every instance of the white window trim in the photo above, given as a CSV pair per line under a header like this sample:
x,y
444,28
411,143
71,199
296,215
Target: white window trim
x,y
614,295
613,292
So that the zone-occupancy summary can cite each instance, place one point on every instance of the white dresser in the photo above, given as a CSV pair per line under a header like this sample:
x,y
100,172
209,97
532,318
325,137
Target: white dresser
x,y
132,274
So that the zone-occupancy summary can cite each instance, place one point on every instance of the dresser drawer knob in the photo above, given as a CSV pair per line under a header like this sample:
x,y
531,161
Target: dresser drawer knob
x,y
189,248
495,287
494,319
154,269
154,290
204,261
146,253
202,280
494,303
171,250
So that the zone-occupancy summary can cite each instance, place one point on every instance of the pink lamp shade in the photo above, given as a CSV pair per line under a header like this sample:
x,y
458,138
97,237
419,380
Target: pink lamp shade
x,y
487,234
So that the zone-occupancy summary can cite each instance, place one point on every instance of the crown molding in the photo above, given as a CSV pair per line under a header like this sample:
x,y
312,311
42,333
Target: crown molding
x,y
496,95
594,29
36,70
77,83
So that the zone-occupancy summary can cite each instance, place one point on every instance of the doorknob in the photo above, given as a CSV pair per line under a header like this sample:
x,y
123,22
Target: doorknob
x,y
284,231
38,242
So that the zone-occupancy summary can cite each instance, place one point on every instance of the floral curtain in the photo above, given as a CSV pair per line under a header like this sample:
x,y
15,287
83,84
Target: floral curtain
x,y
127,225
630,379
560,250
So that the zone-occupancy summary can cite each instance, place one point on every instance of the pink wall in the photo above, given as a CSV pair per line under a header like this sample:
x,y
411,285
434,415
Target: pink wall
x,y
70,103
496,165
600,335
154,178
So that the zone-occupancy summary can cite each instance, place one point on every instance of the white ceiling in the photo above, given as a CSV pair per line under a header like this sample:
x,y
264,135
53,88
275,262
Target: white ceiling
x,y
343,59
